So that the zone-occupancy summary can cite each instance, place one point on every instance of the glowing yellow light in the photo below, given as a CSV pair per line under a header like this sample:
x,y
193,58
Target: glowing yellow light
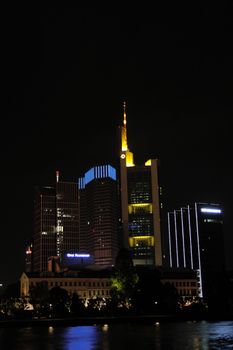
x,y
124,107
51,329
105,327
137,207
142,237
148,162
136,241
124,146
129,159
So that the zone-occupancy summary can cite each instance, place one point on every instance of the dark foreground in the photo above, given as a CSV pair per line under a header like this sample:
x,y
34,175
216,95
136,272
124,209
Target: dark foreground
x,y
145,333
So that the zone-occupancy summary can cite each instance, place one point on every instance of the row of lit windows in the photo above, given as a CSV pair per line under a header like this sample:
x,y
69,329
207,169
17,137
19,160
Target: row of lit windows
x,y
183,283
141,248
140,219
74,284
139,198
187,292
213,221
91,293
97,293
145,255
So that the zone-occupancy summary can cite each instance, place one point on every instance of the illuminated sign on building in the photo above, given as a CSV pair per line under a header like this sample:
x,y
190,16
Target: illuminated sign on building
x,y
78,259
76,255
211,210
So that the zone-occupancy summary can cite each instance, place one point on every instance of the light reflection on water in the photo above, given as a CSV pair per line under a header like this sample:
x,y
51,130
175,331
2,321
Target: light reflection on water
x,y
160,336
85,337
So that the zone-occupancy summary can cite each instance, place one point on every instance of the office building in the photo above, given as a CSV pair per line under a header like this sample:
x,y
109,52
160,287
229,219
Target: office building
x,y
67,218
77,218
195,240
140,205
44,239
99,214
56,222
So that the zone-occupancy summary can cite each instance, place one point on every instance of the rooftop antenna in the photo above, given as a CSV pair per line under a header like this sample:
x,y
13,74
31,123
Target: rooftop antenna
x,y
124,109
57,176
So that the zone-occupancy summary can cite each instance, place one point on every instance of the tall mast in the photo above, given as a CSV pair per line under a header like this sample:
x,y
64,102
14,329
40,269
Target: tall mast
x,y
124,145
124,109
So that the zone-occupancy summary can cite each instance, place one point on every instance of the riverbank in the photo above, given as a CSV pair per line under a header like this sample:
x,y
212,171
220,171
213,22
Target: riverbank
x,y
79,321
82,321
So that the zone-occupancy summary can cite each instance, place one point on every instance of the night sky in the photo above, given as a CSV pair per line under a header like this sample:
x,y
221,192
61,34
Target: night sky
x,y
66,73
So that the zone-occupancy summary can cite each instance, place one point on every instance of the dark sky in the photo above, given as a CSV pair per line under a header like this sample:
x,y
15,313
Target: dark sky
x,y
66,72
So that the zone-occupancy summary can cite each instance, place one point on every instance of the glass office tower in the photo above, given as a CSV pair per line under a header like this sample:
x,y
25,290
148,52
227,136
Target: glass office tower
x,y
195,241
140,205
56,222
44,239
99,214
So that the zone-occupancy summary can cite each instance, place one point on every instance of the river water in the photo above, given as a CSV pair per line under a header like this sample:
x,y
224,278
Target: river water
x,y
160,336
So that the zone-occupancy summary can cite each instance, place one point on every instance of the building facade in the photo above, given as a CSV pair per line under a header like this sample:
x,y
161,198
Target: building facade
x,y
99,214
140,205
80,218
67,218
184,280
195,240
44,239
87,286
56,223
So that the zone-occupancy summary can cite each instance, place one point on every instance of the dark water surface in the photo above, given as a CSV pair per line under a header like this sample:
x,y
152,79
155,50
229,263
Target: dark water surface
x,y
172,336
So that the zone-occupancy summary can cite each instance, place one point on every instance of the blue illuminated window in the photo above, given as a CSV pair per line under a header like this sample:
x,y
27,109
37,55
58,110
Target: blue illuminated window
x,y
98,172
89,176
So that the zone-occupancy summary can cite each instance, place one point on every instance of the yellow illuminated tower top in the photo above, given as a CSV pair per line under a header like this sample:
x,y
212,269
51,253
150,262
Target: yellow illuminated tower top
x,y
125,152
124,145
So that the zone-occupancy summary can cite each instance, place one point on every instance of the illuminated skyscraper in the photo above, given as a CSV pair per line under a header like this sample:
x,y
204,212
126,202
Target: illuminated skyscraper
x,y
67,218
195,241
99,214
56,222
77,218
140,205
44,239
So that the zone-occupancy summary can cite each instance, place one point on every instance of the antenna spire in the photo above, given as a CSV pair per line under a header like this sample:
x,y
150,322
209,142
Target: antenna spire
x,y
124,113
57,176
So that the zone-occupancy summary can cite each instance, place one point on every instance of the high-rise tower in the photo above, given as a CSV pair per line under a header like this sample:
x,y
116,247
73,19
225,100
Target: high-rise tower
x,y
56,222
140,205
99,214
195,241
44,239
67,218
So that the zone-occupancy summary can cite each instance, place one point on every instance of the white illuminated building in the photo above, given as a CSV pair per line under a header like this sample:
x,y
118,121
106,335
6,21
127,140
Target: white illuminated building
x,y
195,241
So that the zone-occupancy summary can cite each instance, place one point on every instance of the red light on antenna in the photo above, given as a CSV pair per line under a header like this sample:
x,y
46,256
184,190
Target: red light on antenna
x,y
57,175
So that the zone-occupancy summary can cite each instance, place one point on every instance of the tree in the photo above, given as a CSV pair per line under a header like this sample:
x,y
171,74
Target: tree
x,y
39,297
59,298
125,278
11,291
39,294
76,307
149,290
